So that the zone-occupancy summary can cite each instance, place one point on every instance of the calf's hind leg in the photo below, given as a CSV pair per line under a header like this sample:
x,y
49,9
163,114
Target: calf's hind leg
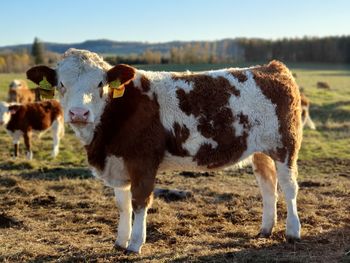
x,y
287,175
265,173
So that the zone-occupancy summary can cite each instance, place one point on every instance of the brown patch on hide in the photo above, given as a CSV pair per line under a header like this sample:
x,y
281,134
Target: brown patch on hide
x,y
175,141
208,100
265,167
239,74
123,73
277,84
145,84
243,119
130,128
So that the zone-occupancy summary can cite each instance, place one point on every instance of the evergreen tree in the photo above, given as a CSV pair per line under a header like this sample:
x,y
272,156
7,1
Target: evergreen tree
x,y
38,51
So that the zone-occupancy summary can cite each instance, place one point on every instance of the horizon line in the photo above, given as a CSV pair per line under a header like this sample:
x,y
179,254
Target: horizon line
x,y
169,41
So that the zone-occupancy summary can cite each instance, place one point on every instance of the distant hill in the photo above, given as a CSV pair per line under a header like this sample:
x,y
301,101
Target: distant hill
x,y
103,46
334,49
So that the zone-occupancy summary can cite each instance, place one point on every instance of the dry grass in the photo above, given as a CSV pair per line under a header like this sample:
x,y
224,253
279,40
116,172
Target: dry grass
x,y
74,220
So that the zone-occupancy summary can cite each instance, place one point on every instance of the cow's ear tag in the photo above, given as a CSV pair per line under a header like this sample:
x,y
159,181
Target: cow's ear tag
x,y
46,90
44,84
118,89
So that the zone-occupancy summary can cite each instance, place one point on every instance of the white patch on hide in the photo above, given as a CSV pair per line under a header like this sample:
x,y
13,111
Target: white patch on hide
x,y
115,173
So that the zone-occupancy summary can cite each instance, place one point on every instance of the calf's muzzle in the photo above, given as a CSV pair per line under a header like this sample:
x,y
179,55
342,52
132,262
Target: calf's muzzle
x,y
78,115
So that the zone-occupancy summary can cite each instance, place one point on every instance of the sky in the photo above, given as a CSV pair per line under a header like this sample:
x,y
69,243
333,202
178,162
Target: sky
x,y
73,21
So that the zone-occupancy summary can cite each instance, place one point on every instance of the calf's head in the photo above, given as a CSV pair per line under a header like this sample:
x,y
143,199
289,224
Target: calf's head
x,y
15,86
18,84
83,82
6,110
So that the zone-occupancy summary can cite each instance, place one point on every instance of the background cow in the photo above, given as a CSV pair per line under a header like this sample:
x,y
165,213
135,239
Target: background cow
x,y
134,123
19,92
21,119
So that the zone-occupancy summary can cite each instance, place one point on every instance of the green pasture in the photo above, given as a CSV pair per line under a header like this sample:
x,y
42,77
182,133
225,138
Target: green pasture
x,y
330,109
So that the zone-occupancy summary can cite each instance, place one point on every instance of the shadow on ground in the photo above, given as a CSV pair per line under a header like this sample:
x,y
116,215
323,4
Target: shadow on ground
x,y
308,250
330,112
57,173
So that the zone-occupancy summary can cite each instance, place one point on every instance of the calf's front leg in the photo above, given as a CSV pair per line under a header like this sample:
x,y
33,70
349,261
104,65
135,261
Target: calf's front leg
x,y
123,198
142,186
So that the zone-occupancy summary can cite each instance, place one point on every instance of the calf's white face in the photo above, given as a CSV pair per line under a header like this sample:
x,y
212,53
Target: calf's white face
x,y
83,90
82,79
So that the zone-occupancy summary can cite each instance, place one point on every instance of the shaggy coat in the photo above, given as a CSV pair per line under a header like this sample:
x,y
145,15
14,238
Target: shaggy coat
x,y
180,121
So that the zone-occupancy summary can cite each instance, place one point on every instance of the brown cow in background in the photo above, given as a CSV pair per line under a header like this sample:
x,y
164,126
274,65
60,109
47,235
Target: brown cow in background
x,y
20,93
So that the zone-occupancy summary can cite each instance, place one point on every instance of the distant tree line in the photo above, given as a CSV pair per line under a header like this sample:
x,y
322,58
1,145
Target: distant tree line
x,y
315,50
22,60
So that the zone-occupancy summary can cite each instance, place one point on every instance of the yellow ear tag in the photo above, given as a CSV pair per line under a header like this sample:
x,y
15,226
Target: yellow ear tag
x,y
44,84
46,90
118,89
117,93
47,94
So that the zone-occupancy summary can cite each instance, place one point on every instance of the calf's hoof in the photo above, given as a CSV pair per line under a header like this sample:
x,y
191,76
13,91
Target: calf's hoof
x,y
292,239
264,233
133,249
120,245
29,156
130,252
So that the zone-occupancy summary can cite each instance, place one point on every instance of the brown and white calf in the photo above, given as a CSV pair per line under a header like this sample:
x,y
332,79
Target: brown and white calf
x,y
21,119
180,121
19,92
305,112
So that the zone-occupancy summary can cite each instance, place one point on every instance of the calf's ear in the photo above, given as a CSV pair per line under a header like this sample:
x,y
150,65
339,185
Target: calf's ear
x,y
122,73
39,73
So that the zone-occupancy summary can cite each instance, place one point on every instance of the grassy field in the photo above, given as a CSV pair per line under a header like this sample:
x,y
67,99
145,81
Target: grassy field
x,y
53,210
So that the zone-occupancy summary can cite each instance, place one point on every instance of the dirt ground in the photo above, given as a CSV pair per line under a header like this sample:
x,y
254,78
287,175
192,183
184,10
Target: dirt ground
x,y
64,215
